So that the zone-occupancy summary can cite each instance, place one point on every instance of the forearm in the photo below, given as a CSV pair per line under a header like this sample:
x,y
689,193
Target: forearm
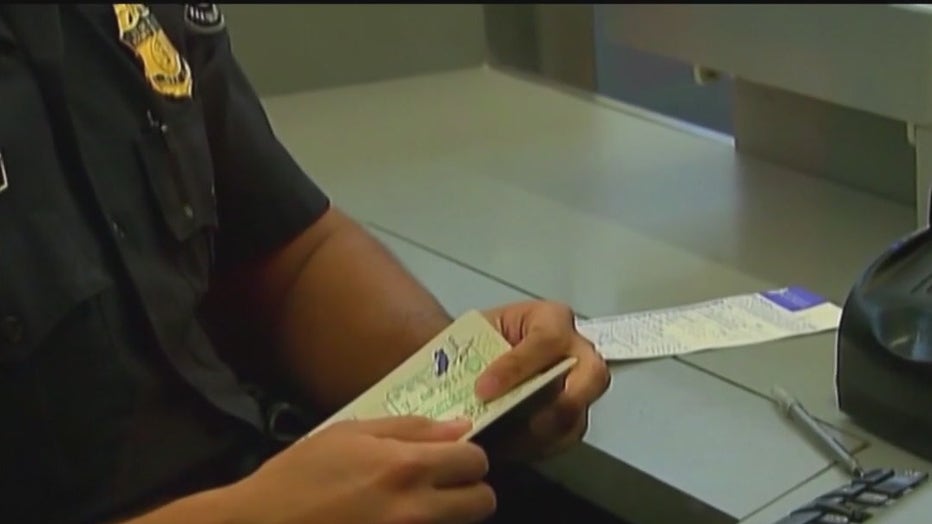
x,y
351,315
207,507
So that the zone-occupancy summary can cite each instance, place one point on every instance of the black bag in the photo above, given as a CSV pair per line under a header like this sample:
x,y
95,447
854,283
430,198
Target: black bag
x,y
884,346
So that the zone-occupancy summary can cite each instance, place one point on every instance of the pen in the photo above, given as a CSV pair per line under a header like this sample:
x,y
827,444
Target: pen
x,y
798,414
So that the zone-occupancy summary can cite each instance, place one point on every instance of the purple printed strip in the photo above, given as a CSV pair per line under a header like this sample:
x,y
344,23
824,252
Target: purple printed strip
x,y
793,298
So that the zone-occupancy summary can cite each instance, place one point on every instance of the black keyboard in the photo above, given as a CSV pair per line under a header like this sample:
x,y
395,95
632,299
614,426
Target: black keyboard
x,y
860,500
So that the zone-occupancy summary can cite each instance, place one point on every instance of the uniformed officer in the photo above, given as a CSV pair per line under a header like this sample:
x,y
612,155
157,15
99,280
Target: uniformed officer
x,y
160,250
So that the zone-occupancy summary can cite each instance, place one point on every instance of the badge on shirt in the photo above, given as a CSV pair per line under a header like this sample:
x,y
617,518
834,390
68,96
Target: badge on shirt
x,y
166,70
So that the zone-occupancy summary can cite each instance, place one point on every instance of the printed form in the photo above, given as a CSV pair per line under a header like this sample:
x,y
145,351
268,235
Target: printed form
x,y
725,322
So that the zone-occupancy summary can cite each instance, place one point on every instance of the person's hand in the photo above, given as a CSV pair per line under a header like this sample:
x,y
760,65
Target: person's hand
x,y
391,470
542,334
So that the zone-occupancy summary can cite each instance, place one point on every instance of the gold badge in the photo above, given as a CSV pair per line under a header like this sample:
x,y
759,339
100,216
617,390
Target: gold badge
x,y
166,70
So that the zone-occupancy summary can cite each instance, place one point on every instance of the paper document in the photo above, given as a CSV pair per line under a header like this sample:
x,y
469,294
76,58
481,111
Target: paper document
x,y
721,323
438,381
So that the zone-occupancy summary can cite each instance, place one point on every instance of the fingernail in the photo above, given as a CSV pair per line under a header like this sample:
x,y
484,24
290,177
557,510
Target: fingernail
x,y
487,387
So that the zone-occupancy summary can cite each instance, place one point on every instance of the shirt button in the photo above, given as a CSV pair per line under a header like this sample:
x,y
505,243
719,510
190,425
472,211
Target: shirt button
x,y
117,229
155,123
12,329
188,211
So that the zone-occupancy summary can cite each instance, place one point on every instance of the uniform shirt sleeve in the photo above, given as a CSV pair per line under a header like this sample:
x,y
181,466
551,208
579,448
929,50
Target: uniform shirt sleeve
x,y
264,198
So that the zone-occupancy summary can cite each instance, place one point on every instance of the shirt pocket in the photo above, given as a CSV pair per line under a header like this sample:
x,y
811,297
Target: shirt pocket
x,y
45,274
175,156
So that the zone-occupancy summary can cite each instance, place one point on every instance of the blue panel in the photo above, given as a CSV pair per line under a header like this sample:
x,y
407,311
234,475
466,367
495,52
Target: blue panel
x,y
660,84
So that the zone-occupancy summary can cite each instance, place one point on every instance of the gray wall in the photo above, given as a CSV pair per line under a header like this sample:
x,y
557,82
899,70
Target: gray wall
x,y
855,148
285,48
566,44
552,40
511,35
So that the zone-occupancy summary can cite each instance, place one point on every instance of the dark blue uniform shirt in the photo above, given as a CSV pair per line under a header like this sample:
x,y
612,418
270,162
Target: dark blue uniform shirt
x,y
135,163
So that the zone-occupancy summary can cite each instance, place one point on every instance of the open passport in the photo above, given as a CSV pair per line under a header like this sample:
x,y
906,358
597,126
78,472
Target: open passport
x,y
438,381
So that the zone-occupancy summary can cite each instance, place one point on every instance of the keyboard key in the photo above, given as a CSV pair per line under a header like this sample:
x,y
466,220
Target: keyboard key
x,y
850,491
833,519
899,484
853,514
875,475
870,498
807,517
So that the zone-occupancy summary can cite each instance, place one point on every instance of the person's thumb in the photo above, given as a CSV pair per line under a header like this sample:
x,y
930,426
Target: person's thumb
x,y
539,350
